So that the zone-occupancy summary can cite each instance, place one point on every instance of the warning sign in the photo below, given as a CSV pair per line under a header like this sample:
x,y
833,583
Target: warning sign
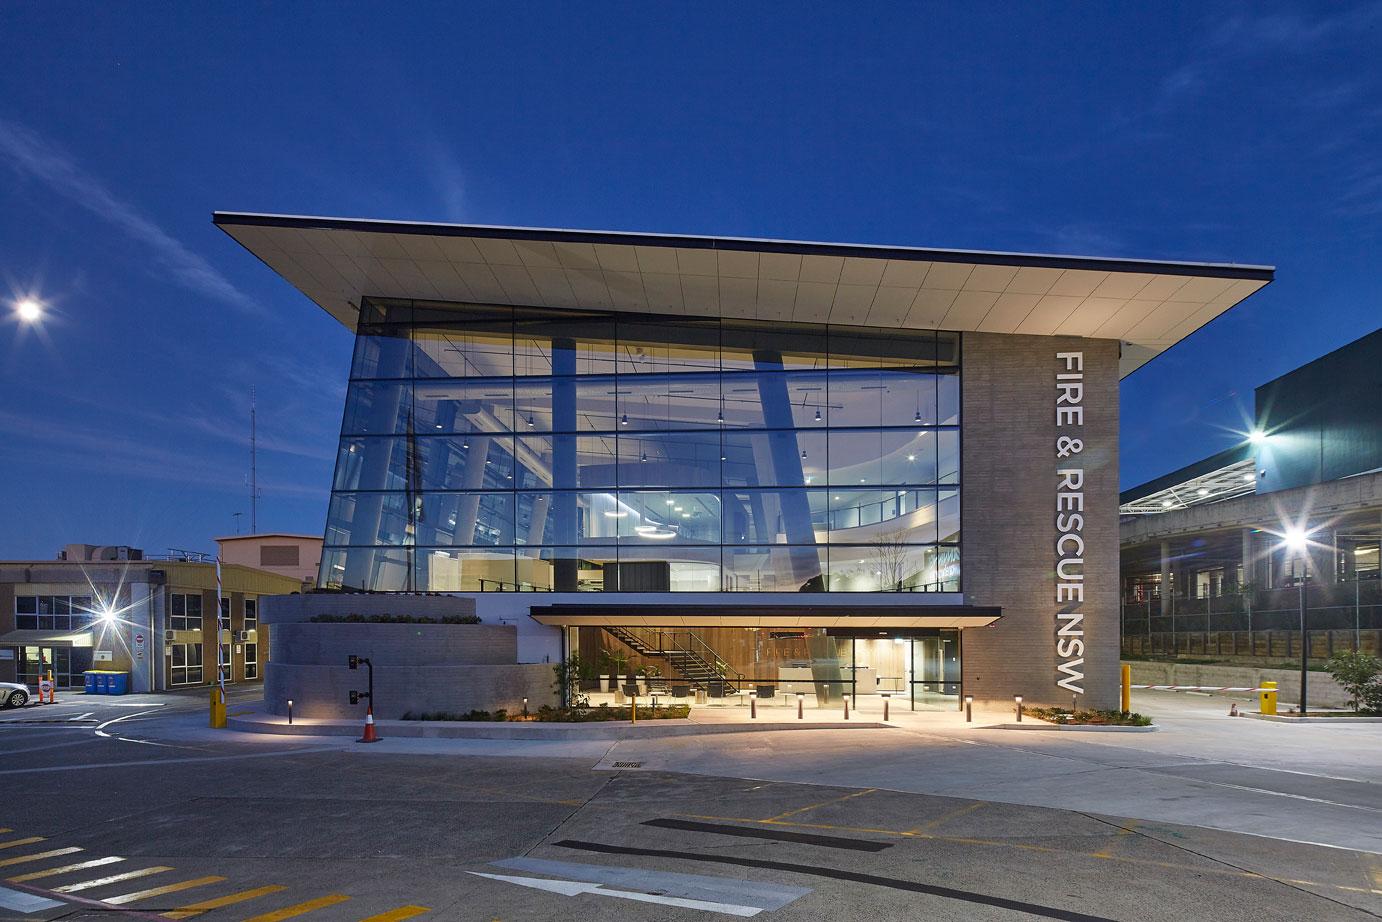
x,y
138,646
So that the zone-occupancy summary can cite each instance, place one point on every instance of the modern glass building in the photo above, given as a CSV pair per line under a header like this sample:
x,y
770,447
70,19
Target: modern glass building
x,y
743,465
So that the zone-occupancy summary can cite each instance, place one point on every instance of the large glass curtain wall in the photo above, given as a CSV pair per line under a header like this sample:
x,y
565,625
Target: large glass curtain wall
x,y
494,448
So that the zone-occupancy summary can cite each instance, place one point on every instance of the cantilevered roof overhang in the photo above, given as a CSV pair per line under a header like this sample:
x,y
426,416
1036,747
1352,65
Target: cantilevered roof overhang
x,y
858,617
1147,305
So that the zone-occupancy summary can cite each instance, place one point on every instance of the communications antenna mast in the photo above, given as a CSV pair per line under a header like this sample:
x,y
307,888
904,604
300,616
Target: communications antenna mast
x,y
254,488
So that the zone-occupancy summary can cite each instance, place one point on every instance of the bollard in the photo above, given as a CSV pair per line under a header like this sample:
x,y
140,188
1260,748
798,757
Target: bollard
x,y
753,705
1268,700
1018,700
846,707
969,708
1127,687
654,705
290,712
218,709
801,697
886,696
525,707
633,705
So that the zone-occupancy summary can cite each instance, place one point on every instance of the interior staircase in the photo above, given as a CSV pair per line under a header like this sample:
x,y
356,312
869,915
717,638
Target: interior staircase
x,y
686,653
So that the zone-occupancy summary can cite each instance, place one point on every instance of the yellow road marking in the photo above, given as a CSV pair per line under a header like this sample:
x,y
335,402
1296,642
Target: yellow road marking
x,y
823,803
159,891
1375,873
38,855
28,841
240,713
300,908
394,915
3,831
67,868
197,908
950,816
101,881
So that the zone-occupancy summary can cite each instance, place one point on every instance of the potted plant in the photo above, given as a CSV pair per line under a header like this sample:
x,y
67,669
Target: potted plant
x,y
612,665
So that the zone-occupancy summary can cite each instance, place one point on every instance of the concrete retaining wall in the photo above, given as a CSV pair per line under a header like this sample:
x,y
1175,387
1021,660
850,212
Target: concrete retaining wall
x,y
324,691
417,667
414,645
1323,690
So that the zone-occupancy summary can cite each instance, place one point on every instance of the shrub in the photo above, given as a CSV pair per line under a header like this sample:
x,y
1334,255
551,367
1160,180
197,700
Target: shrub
x,y
1091,717
1356,672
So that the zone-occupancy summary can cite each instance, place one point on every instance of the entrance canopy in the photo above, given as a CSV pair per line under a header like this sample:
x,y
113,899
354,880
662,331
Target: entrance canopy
x,y
858,617
1149,305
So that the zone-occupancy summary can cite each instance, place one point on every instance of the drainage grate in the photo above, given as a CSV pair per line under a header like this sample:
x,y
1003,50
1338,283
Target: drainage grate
x,y
628,764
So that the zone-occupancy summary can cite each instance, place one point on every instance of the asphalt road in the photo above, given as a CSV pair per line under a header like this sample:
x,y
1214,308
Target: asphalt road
x,y
131,807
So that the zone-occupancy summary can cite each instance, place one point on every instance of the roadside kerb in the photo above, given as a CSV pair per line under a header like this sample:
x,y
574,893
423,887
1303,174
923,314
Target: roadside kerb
x,y
537,731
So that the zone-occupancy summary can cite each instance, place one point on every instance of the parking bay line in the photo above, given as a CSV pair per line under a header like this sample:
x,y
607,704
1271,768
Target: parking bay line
x,y
1048,912
803,838
66,869
197,908
113,879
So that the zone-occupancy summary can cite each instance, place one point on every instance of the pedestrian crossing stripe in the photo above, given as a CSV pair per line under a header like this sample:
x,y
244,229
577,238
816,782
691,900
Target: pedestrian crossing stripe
x,y
67,869
37,856
218,902
159,891
279,914
116,878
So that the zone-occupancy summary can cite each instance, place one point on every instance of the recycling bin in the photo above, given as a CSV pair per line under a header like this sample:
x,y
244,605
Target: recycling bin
x,y
117,683
90,678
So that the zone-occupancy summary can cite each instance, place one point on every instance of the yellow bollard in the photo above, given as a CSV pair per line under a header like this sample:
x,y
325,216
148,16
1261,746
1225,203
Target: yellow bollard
x,y
1268,698
218,709
1127,687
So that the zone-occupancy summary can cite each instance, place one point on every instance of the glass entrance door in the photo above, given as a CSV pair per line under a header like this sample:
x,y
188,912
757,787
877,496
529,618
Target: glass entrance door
x,y
935,672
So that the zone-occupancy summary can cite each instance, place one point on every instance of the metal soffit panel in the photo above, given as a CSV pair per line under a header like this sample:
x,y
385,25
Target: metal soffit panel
x,y
687,616
1148,305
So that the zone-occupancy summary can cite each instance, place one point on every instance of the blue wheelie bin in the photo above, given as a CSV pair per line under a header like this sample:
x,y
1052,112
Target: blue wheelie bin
x,y
117,683
90,678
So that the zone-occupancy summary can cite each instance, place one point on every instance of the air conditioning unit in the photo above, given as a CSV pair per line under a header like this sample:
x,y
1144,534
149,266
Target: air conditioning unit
x,y
168,636
242,636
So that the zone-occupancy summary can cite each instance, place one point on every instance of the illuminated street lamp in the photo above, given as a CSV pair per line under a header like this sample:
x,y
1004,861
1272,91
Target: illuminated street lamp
x,y
1298,542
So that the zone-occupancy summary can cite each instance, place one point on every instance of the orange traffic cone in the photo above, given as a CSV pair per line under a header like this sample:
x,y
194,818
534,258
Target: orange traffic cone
x,y
369,736
1233,711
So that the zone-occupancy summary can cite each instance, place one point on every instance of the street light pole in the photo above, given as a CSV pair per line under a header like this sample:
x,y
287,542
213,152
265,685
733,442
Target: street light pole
x,y
1304,636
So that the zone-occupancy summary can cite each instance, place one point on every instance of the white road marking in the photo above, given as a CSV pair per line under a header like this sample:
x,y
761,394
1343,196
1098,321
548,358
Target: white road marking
x,y
575,888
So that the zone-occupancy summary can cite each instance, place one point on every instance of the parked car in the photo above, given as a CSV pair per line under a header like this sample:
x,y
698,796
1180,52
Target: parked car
x,y
13,695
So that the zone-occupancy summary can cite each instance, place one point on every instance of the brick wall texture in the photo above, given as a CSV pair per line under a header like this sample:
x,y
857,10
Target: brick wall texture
x,y
1008,515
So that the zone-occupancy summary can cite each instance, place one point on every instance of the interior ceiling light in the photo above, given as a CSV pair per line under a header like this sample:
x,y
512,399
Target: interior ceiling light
x,y
1202,491
624,420
660,535
615,514
530,421
918,417
1168,502
818,416
645,529
644,457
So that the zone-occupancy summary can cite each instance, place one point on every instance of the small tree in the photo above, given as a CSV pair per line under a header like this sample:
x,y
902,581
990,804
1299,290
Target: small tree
x,y
568,682
1356,672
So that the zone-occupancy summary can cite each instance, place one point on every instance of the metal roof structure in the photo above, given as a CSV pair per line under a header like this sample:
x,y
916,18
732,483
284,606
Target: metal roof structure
x,y
1147,305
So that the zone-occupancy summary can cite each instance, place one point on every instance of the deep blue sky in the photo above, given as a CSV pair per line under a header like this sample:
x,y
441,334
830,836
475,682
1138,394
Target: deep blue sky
x,y
1198,131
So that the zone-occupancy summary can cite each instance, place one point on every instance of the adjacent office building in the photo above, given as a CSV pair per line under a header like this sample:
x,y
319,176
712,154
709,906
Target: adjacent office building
x,y
779,465
1225,556
114,608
